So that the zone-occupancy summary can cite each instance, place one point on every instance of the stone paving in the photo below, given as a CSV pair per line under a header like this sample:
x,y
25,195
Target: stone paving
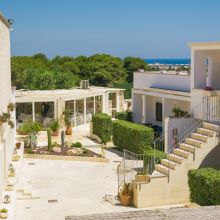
x,y
201,213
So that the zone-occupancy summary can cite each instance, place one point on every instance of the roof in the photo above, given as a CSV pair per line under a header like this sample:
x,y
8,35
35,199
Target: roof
x,y
181,73
74,93
4,20
205,45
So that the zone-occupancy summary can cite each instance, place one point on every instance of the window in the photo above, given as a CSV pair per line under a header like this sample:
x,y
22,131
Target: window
x,y
159,112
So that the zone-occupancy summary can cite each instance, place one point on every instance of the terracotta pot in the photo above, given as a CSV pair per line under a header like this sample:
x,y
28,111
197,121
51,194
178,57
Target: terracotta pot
x,y
126,199
18,145
55,133
142,178
68,131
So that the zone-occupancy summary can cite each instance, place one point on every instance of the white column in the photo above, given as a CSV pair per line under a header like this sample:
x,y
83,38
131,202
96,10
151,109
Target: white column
x,y
84,110
33,111
117,101
209,72
143,109
94,105
104,103
163,110
74,109
107,103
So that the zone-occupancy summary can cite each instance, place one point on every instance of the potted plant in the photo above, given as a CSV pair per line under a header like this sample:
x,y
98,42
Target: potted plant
x,y
9,187
4,213
11,123
54,127
126,195
18,145
67,121
11,106
11,172
31,129
4,117
142,176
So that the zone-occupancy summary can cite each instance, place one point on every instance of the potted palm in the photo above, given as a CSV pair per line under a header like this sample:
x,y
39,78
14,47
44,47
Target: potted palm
x,y
126,195
142,176
18,145
67,121
54,127
4,213
11,123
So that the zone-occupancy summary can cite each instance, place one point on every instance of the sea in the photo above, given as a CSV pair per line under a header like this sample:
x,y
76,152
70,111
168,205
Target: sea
x,y
180,61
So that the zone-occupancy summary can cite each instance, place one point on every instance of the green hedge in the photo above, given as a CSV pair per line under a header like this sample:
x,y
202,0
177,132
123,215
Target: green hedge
x,y
127,116
204,186
131,136
102,126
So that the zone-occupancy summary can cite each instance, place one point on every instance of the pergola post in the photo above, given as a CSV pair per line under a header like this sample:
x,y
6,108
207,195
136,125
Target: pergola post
x,y
33,111
143,109
84,110
94,110
74,110
117,101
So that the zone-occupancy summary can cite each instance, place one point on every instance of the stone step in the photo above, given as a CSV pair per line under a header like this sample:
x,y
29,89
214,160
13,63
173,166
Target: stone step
x,y
206,132
199,137
193,142
187,147
210,126
162,169
157,174
175,158
168,163
181,153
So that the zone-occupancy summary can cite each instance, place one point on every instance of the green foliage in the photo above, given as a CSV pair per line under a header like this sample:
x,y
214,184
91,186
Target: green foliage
x,y
77,145
131,136
30,127
127,116
204,186
178,112
55,144
132,64
67,117
124,85
55,125
39,72
62,138
49,140
102,126
3,210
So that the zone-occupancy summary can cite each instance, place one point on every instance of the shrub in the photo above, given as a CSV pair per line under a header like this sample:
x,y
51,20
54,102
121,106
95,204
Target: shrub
x,y
3,210
67,117
77,145
204,186
127,116
131,136
102,126
54,126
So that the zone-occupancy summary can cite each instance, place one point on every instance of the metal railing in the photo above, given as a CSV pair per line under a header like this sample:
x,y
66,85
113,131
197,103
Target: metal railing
x,y
207,111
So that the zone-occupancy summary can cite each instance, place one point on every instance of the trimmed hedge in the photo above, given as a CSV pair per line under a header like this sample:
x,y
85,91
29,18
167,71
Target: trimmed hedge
x,y
102,126
204,186
127,116
131,136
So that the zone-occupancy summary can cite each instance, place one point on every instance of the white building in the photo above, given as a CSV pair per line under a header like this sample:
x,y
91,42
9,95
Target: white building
x,y
155,94
43,106
7,134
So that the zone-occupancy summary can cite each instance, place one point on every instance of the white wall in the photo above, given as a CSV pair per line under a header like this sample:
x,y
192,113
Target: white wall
x,y
163,81
199,68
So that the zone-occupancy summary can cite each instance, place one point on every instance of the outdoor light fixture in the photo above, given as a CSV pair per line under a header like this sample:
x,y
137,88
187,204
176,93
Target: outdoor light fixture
x,y
10,21
11,168
7,199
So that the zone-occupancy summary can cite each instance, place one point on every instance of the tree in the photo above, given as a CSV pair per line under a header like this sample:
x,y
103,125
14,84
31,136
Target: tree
x,y
101,78
132,64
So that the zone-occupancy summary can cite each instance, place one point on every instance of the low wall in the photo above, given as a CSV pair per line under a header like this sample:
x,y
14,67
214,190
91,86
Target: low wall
x,y
68,158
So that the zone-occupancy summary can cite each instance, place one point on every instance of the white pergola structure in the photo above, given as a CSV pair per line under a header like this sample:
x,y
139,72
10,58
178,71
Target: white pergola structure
x,y
45,105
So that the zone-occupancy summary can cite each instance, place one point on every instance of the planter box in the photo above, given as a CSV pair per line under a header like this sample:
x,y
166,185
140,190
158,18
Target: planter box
x,y
142,178
4,215
9,188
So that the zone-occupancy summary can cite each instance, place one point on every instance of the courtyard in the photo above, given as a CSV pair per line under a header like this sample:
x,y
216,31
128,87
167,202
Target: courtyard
x,y
64,188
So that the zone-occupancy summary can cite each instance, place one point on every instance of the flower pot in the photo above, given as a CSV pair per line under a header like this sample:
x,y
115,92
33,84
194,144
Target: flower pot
x,y
142,178
9,187
68,131
18,145
126,199
4,215
11,174
55,133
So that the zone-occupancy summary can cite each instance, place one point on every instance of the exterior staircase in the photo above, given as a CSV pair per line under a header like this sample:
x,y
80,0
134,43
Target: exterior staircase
x,y
169,180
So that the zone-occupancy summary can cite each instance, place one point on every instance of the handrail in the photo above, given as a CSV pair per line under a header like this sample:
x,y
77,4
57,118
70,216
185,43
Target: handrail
x,y
195,126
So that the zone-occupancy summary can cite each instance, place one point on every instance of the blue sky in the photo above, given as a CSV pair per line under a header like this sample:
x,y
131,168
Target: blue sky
x,y
143,28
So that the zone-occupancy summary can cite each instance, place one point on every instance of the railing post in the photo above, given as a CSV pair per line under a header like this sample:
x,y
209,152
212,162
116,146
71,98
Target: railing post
x,y
124,166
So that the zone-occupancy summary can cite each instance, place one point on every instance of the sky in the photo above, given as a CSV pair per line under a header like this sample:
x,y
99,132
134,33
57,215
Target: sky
x,y
142,28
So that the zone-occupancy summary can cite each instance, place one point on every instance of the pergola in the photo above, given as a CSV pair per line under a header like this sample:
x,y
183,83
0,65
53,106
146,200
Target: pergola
x,y
45,105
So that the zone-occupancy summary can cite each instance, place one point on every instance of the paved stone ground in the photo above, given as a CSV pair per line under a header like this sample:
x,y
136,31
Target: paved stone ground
x,y
201,213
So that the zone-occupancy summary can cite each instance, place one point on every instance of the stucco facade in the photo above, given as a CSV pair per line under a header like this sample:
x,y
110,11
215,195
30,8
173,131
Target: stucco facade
x,y
7,134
